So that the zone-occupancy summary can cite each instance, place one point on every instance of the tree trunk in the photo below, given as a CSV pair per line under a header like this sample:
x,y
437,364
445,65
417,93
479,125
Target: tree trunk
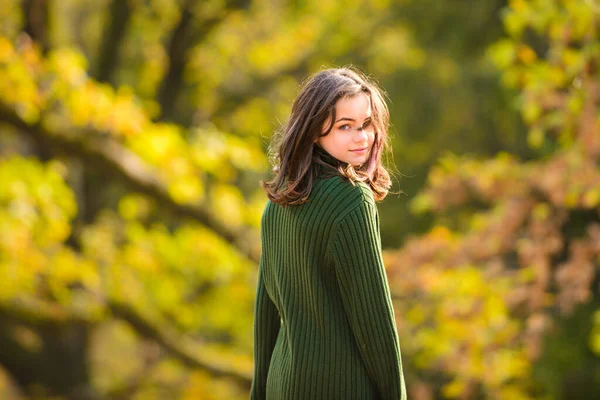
x,y
55,366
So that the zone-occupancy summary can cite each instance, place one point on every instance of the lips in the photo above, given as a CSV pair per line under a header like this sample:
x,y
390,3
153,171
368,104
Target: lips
x,y
359,150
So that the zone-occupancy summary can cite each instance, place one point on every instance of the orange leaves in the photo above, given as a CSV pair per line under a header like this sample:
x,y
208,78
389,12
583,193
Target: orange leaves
x,y
569,180
458,180
575,276
475,299
526,54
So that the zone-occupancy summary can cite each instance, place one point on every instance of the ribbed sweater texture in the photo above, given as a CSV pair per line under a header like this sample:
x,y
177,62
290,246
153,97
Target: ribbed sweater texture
x,y
324,324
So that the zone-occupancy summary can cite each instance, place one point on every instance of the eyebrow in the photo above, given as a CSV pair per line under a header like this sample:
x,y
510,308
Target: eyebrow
x,y
350,119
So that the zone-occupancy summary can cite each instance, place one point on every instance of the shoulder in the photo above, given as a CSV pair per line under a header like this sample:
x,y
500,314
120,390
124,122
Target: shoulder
x,y
342,186
343,194
331,199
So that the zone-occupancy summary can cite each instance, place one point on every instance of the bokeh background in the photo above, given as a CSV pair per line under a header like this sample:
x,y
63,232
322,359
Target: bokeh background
x,y
133,134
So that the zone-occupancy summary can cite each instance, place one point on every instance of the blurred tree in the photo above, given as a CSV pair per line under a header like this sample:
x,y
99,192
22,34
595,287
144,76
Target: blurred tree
x,y
99,218
501,296
132,137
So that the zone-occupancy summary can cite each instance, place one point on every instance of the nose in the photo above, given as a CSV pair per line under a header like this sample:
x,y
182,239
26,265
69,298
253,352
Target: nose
x,y
361,135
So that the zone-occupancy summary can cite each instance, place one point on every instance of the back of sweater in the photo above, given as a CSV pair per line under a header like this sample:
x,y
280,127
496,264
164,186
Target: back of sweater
x,y
324,321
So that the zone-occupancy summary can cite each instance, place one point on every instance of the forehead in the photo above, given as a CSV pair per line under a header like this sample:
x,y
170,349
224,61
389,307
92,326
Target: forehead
x,y
355,107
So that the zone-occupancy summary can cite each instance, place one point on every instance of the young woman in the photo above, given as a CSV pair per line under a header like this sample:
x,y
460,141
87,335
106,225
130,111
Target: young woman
x,y
324,323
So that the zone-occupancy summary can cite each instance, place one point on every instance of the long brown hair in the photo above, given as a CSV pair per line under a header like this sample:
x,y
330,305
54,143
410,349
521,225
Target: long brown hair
x,y
296,160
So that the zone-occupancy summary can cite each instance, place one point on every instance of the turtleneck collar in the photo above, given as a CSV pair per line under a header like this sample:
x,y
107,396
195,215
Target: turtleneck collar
x,y
319,153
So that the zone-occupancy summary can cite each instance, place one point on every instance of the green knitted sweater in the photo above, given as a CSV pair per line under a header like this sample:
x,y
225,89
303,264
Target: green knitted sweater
x,y
324,324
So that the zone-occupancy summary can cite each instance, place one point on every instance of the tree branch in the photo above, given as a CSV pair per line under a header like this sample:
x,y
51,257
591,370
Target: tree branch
x,y
111,157
114,32
59,363
39,315
176,347
177,50
35,22
234,97
184,37
150,359
21,363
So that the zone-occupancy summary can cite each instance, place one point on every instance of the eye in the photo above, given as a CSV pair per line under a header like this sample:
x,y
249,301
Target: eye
x,y
344,127
367,124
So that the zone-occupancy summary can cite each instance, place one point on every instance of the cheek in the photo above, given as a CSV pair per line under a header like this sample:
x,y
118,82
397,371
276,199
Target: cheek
x,y
344,141
371,138
334,138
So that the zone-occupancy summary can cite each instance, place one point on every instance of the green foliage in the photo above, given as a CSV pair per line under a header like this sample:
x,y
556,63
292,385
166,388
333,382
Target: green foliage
x,y
185,277
525,234
129,200
35,212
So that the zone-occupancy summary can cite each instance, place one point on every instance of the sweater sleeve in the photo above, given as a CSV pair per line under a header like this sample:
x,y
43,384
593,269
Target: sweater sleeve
x,y
356,250
266,329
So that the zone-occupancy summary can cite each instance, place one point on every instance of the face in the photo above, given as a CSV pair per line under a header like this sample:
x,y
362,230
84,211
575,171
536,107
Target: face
x,y
352,136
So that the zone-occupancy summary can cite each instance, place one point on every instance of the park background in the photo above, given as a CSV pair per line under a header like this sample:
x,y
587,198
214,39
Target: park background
x,y
133,134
